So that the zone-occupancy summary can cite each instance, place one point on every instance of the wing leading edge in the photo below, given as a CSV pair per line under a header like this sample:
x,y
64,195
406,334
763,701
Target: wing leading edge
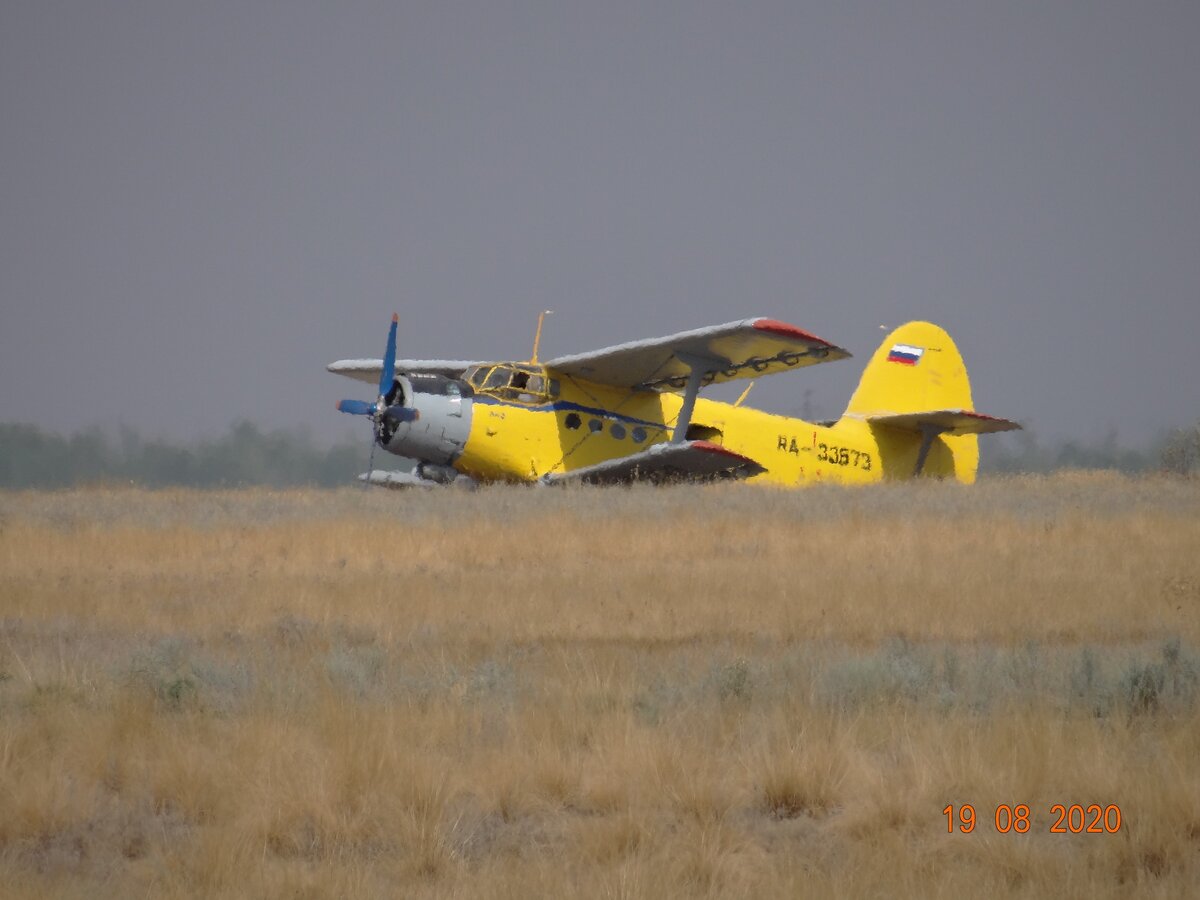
x,y
749,348
369,370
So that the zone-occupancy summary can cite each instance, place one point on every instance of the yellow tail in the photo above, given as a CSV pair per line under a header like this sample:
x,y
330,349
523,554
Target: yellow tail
x,y
917,369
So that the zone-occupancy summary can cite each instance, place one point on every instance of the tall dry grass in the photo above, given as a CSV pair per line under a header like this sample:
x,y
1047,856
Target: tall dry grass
x,y
684,692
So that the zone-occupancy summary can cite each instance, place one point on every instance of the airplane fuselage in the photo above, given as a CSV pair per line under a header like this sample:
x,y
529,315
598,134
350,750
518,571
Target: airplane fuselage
x,y
518,422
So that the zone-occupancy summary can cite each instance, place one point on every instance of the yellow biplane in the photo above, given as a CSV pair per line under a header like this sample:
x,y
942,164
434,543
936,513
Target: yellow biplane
x,y
633,412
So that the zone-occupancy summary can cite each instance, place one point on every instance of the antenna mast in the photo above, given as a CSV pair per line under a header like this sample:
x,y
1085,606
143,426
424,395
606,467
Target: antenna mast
x,y
537,337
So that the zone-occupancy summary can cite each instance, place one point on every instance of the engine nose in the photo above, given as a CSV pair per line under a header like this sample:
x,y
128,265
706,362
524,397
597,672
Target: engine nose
x,y
428,418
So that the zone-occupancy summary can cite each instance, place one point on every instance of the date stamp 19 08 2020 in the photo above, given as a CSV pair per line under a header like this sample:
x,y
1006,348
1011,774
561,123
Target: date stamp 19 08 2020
x,y
1063,819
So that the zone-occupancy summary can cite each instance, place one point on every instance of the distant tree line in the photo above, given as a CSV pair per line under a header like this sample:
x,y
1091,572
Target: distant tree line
x,y
1175,451
246,455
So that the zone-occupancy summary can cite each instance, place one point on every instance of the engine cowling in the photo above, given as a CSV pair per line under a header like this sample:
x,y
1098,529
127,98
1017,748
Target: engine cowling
x,y
438,432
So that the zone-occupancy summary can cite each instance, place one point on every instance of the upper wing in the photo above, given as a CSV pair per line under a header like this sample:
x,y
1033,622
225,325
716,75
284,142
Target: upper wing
x,y
945,421
683,461
745,349
369,370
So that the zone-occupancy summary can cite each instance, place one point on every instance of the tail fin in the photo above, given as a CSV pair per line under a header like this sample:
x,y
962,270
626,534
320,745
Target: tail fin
x,y
916,397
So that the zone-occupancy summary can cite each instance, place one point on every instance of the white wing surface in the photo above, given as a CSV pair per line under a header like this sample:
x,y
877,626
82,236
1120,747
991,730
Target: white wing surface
x,y
750,348
369,370
396,480
684,461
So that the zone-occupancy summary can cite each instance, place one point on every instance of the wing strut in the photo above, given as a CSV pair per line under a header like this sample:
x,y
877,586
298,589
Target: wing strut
x,y
929,433
699,366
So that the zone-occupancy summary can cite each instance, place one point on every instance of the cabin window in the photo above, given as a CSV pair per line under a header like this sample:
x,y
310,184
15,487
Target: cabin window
x,y
573,421
497,378
521,384
639,434
618,431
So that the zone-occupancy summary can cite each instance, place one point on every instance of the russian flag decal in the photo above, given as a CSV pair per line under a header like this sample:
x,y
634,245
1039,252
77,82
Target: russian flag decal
x,y
905,354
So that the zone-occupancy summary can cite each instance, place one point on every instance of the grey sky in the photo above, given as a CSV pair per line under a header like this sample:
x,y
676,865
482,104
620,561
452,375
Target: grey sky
x,y
201,204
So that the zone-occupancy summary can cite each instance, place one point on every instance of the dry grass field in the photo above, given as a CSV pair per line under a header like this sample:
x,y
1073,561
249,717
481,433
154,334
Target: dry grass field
x,y
680,692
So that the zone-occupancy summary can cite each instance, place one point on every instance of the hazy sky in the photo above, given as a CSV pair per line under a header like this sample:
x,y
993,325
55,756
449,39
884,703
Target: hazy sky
x,y
201,204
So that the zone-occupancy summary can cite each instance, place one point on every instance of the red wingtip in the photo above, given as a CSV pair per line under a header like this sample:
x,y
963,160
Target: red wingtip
x,y
783,329
395,318
710,447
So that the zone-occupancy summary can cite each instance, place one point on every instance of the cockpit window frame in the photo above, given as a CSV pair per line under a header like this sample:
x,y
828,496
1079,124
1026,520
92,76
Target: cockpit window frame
x,y
497,379
513,382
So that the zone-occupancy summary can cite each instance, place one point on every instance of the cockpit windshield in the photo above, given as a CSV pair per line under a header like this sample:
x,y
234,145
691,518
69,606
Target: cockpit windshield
x,y
497,378
506,381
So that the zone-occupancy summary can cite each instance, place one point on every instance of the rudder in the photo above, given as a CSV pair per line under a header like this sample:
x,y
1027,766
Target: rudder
x,y
917,369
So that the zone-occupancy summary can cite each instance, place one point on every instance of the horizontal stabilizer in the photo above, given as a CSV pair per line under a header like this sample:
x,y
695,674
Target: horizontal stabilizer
x,y
369,370
944,421
684,461
396,480
750,348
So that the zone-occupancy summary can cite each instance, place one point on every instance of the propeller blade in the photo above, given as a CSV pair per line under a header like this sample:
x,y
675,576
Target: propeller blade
x,y
356,407
388,375
401,414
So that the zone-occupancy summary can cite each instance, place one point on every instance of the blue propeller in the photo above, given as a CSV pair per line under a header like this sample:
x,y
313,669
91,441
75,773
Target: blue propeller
x,y
379,410
356,407
386,378
388,375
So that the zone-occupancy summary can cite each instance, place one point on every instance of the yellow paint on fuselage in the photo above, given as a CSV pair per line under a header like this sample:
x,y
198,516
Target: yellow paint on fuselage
x,y
518,441
585,424
515,441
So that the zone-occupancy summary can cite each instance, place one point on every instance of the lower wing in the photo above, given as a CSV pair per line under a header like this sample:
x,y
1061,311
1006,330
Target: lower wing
x,y
396,480
684,461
